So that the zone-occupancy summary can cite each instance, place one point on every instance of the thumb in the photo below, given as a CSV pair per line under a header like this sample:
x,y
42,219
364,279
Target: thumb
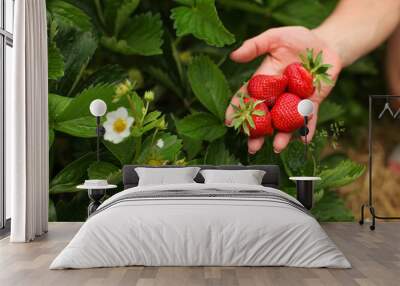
x,y
255,47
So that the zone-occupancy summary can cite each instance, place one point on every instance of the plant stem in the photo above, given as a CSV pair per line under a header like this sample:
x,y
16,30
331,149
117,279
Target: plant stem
x,y
100,12
138,148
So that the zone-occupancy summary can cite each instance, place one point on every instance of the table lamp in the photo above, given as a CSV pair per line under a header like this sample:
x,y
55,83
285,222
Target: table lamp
x,y
305,108
98,108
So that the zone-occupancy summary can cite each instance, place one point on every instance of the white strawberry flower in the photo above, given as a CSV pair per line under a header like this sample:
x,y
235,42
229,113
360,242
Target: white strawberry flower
x,y
160,143
117,125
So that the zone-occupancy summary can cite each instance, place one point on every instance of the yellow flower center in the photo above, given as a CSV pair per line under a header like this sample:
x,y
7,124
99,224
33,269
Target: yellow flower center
x,y
119,125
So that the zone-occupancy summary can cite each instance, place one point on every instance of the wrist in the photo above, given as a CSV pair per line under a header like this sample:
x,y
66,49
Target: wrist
x,y
332,42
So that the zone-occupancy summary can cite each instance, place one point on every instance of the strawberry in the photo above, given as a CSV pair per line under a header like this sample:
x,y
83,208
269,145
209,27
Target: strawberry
x,y
252,117
304,77
285,116
267,87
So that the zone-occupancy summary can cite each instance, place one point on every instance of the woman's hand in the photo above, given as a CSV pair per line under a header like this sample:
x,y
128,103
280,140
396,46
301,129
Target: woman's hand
x,y
282,47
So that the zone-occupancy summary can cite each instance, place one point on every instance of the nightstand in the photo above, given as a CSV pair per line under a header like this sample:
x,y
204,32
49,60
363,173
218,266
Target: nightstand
x,y
96,191
305,190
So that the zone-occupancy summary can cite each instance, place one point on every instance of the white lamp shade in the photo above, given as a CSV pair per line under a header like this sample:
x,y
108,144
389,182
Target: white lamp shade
x,y
305,107
98,107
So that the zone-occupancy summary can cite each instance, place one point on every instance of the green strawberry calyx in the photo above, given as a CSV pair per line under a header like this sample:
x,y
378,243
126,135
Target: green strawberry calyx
x,y
243,115
317,68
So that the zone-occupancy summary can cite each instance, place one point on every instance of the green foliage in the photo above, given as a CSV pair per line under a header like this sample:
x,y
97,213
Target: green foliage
x,y
116,50
200,18
209,85
344,173
66,14
201,126
218,154
141,36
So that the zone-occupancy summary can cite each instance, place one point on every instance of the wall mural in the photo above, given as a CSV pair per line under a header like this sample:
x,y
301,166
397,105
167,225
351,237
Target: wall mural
x,y
163,69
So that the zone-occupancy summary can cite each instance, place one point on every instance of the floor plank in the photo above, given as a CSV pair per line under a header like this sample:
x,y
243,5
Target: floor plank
x,y
375,257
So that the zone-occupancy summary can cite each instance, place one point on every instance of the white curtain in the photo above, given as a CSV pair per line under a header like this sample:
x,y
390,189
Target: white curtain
x,y
27,124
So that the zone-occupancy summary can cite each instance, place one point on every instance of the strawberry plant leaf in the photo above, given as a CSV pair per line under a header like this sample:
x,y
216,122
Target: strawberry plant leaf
x,y
122,151
293,160
84,127
117,12
104,171
201,126
79,106
77,50
57,105
200,18
67,14
172,146
142,35
209,85
55,62
73,174
308,13
344,173
218,154
331,208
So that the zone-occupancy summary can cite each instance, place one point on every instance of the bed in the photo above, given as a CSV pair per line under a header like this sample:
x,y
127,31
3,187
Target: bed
x,y
201,224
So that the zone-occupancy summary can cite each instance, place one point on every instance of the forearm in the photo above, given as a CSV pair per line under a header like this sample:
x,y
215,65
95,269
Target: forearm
x,y
358,26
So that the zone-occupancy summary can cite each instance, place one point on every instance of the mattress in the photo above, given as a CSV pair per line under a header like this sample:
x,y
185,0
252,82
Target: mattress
x,y
201,225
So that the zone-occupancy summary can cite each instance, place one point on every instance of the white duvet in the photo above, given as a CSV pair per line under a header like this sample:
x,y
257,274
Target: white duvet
x,y
200,231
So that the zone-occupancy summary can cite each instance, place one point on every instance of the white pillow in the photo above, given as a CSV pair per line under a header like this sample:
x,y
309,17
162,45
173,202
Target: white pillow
x,y
248,177
166,176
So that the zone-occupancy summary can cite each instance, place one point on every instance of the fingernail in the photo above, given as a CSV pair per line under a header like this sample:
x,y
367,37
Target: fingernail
x,y
251,152
276,151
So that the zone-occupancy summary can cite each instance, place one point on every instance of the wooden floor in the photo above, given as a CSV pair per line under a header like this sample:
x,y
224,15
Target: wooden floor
x,y
375,257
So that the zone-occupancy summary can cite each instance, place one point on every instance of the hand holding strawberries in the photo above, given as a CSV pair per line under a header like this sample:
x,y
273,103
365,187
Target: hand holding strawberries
x,y
280,72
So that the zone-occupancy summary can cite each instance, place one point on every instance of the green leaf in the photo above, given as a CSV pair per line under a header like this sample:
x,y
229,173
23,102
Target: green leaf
x,y
142,36
52,211
201,126
51,137
209,85
294,162
122,151
192,147
55,62
343,174
69,15
118,12
105,74
57,104
123,13
138,106
266,155
331,208
72,175
104,171
84,127
79,106
218,154
329,111
308,13
200,18
168,152
77,50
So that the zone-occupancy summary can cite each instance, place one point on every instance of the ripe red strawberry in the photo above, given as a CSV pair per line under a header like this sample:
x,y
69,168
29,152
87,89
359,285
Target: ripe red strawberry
x,y
285,116
267,87
252,117
304,77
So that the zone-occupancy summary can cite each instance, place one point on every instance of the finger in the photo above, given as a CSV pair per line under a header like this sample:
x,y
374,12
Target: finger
x,y
254,47
255,144
281,140
234,101
312,125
